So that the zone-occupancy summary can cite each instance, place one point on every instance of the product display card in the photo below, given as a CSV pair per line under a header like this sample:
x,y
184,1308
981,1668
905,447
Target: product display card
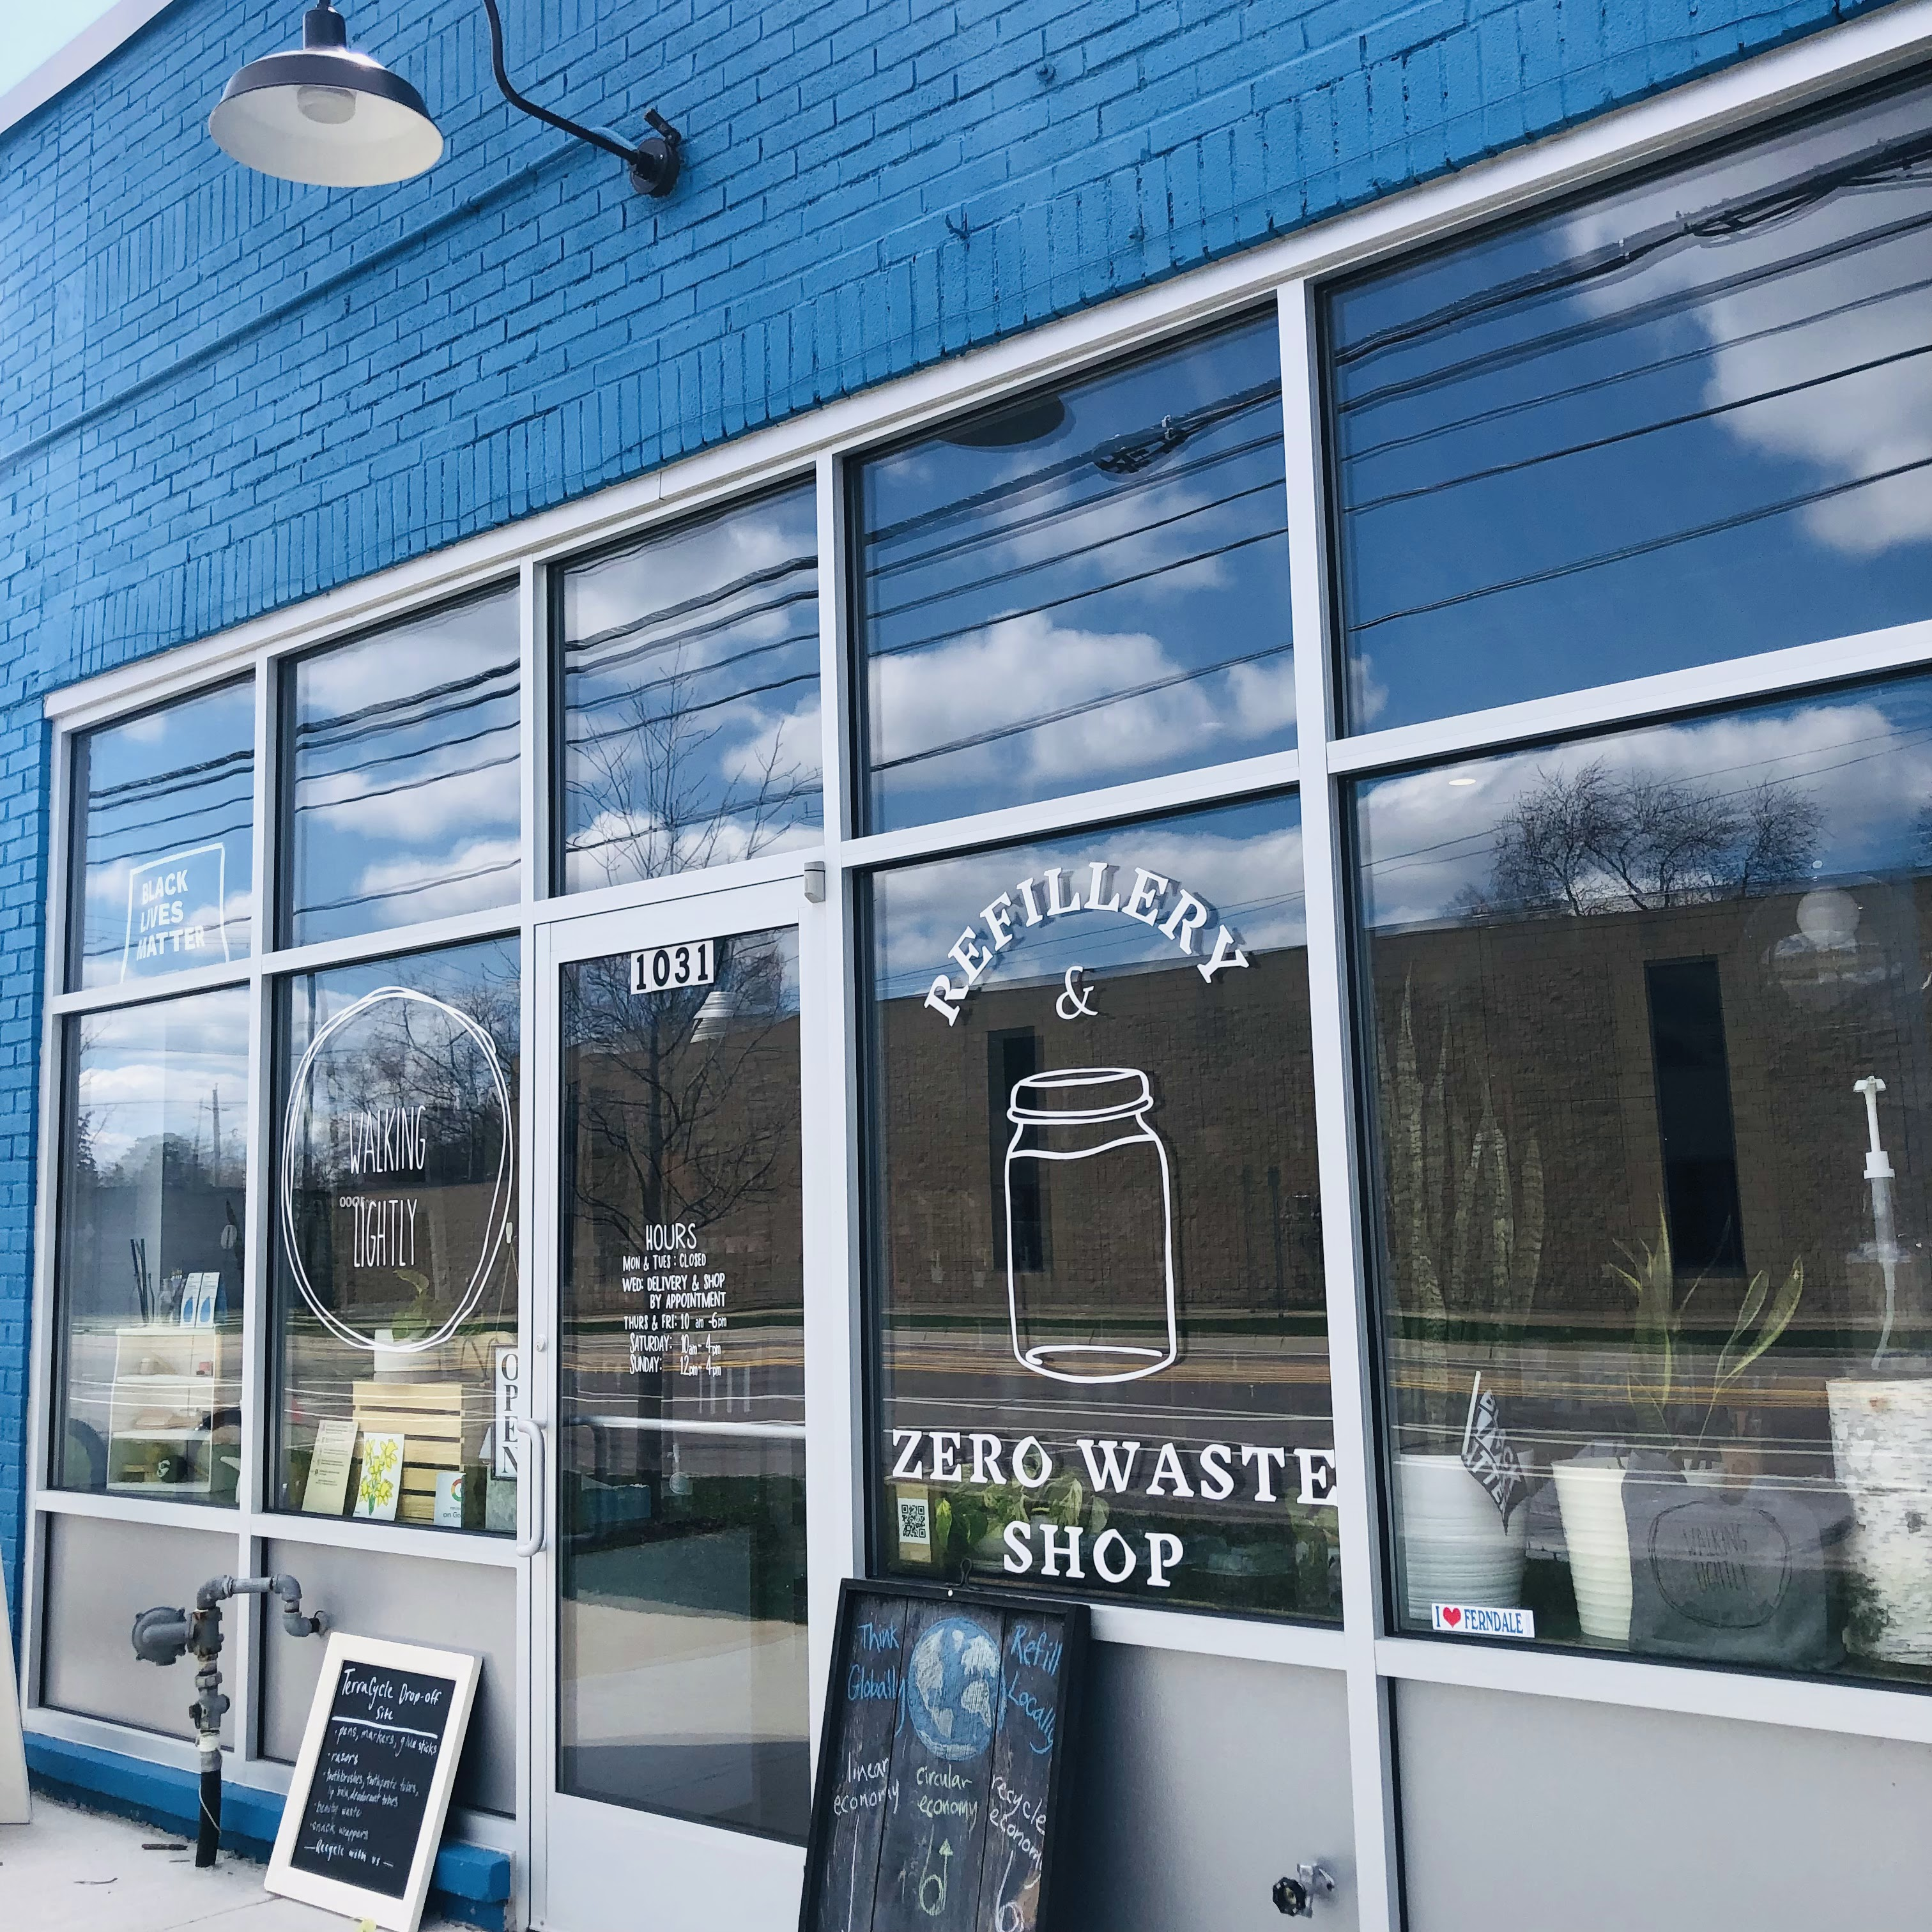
x,y
381,1487
327,1491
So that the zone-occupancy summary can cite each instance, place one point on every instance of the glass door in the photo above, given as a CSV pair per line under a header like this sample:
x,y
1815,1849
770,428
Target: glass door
x,y
675,1773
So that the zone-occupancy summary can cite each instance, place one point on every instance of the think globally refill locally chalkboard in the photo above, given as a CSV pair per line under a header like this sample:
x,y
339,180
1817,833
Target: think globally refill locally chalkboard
x,y
365,1811
939,1795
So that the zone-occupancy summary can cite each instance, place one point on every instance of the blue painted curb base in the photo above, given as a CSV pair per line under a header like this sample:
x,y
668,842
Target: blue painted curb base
x,y
471,1883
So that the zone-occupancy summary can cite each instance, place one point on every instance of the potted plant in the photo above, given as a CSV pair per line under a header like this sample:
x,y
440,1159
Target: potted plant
x,y
977,1520
1882,1443
1465,1233
1675,1547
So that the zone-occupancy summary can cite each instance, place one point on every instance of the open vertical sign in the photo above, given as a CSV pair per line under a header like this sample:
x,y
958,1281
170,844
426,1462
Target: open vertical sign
x,y
669,969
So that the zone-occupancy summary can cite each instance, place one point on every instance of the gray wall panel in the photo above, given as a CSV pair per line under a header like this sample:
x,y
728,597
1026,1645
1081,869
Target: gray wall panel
x,y
1202,1779
99,1575
408,1600
1521,1814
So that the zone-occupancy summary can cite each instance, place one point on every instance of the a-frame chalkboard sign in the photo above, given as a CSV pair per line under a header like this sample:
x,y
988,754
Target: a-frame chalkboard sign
x,y
940,1793
371,1788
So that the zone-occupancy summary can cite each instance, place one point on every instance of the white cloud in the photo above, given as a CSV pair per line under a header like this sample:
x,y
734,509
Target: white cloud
x,y
443,648
999,679
140,1077
369,805
789,745
1166,521
1263,695
417,885
682,566
1844,429
1850,428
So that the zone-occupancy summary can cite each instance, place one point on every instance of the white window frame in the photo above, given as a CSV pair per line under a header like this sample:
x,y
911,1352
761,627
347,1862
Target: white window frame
x,y
1285,272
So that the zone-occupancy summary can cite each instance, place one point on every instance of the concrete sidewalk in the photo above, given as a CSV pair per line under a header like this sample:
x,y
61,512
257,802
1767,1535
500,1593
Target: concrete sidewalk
x,y
78,1871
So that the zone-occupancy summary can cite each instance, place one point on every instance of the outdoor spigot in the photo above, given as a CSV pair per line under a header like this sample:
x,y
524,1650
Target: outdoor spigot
x,y
1294,1898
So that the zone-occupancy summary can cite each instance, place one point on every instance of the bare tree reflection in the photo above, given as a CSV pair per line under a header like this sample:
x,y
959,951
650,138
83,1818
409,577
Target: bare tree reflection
x,y
1596,841
652,792
674,1116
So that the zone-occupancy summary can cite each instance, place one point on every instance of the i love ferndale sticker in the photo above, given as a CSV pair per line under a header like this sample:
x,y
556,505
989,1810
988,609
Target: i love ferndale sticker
x,y
1481,1620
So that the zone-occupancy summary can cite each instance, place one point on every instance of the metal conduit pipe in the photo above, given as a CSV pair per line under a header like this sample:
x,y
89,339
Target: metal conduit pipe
x,y
162,1636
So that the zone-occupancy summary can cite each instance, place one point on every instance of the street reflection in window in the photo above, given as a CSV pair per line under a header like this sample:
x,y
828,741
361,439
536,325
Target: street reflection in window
x,y
395,1259
681,1482
1652,1095
153,1207
1103,1340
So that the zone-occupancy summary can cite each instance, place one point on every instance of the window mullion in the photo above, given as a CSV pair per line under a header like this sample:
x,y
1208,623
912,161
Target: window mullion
x,y
1371,1741
834,1338
534,764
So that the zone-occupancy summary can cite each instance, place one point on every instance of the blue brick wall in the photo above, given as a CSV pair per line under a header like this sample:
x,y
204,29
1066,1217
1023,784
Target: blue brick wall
x,y
220,393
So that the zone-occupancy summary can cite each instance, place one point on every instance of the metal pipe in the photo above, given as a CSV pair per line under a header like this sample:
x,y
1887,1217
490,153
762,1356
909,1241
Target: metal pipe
x,y
163,1636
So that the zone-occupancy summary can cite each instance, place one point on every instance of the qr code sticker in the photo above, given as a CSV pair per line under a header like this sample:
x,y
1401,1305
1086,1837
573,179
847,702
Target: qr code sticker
x,y
915,1522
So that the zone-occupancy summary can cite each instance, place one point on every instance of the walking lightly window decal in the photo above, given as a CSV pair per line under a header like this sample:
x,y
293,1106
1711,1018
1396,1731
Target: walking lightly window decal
x,y
1103,1345
396,1264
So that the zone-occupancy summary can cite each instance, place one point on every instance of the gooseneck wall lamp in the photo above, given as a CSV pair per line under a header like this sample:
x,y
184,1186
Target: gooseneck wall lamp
x,y
326,114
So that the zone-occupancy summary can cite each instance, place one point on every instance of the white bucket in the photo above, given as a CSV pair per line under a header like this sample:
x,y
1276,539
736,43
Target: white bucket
x,y
1882,1440
1455,1547
1590,1493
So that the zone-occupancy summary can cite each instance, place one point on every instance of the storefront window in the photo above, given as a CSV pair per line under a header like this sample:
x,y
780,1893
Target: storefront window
x,y
164,855
153,1202
1103,1344
1680,421
681,1479
395,1255
1652,1092
1083,586
400,794
691,729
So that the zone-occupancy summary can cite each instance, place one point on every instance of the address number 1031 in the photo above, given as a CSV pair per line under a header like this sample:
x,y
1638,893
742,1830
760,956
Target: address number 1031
x,y
668,969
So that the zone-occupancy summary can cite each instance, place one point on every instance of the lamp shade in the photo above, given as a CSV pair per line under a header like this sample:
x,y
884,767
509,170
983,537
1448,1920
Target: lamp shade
x,y
326,115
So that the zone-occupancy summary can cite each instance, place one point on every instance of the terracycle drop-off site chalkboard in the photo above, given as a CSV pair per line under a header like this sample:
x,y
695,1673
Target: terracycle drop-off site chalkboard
x,y
939,1799
366,1805
373,1780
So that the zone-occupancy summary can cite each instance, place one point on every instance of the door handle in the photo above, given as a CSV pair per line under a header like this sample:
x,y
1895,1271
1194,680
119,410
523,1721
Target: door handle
x,y
536,1491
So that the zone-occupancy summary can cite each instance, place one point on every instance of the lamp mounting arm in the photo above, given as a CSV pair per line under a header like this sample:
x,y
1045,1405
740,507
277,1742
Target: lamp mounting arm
x,y
653,163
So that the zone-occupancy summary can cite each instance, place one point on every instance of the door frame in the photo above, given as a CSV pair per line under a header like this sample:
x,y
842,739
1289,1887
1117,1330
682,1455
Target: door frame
x,y
834,1514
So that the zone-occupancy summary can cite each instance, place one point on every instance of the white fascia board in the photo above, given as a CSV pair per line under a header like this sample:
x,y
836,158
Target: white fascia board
x,y
86,50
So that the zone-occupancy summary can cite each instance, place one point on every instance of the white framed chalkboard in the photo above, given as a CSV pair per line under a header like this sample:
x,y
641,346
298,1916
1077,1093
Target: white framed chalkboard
x,y
372,1784
941,1794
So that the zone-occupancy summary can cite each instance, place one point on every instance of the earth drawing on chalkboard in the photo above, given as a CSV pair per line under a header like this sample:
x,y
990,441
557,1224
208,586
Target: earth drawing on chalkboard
x,y
953,1688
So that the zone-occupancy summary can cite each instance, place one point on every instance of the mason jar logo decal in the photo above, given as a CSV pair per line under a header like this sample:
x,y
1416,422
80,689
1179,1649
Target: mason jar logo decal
x,y
1132,1157
1088,1128
1091,1125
